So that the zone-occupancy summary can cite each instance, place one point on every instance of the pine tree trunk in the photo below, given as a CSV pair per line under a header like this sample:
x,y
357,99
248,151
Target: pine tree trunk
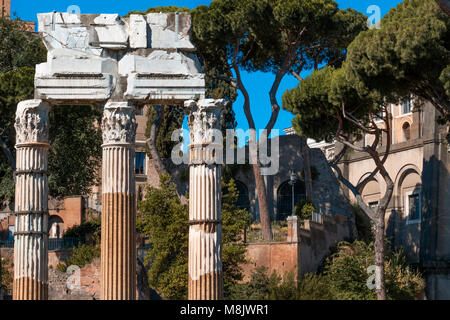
x,y
263,205
379,257
151,142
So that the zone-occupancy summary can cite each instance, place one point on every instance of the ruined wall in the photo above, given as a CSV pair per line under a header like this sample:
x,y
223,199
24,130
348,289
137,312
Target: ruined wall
x,y
305,251
317,238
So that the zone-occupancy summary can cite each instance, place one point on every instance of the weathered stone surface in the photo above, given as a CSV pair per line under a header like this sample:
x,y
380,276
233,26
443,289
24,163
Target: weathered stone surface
x,y
96,57
31,202
32,122
118,247
138,32
89,287
205,231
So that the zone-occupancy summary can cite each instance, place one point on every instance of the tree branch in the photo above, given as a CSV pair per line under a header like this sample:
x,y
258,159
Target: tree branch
x,y
151,141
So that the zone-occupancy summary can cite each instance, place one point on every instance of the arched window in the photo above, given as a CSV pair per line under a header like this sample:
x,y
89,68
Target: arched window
x,y
406,130
56,227
411,186
243,201
371,194
284,199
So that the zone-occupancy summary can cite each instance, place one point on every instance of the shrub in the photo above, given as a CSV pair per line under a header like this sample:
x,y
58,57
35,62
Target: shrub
x,y
90,228
344,278
346,273
61,267
7,275
165,221
314,287
263,286
83,255
304,209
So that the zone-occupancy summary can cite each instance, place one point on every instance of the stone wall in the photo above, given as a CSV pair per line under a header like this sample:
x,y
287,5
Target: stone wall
x,y
88,286
305,250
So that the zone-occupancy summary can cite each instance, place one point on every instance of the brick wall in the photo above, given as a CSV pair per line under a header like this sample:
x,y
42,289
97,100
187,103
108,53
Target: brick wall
x,y
305,249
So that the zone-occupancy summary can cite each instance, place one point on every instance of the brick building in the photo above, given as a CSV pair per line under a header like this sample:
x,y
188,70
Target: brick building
x,y
5,12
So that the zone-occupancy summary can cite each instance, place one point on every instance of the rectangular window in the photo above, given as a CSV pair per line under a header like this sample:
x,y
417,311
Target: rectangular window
x,y
406,107
140,163
413,207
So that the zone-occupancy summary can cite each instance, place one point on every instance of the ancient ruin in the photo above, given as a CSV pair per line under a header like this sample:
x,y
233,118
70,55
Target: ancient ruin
x,y
118,63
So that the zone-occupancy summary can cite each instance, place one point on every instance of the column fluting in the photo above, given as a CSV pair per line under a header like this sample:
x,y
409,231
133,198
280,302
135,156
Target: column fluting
x,y
31,202
205,189
118,234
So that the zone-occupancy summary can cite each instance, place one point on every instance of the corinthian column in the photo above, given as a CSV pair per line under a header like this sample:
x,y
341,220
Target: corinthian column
x,y
118,251
31,202
205,232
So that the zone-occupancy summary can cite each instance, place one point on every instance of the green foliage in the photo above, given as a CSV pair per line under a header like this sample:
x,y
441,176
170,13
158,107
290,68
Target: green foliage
x,y
83,255
267,31
76,142
234,222
61,267
88,229
163,9
7,186
75,156
265,287
184,176
410,53
319,98
346,274
20,51
18,47
172,120
164,220
15,86
314,287
344,278
6,273
304,209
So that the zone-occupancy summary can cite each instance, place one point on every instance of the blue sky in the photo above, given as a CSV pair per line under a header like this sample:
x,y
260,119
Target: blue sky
x,y
258,84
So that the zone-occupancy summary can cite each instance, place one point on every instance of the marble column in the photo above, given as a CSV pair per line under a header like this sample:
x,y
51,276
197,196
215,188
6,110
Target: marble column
x,y
205,193
31,202
118,234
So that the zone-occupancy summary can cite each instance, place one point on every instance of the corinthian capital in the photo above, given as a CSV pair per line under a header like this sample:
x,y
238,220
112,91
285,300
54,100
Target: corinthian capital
x,y
119,123
205,116
32,122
